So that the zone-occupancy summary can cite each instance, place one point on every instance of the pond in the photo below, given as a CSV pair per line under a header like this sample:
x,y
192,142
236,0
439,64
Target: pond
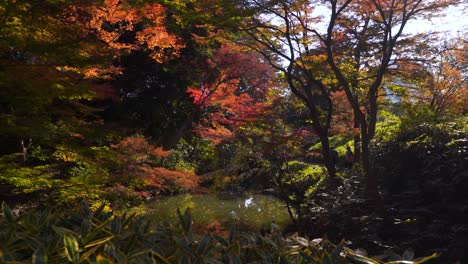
x,y
247,211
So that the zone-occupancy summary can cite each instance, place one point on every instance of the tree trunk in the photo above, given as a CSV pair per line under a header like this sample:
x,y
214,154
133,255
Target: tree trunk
x,y
372,98
371,179
357,138
327,158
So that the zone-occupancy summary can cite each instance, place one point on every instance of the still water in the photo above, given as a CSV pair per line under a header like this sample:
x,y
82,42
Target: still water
x,y
250,211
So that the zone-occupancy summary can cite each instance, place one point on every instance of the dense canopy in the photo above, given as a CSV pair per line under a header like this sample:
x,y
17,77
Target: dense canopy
x,y
334,107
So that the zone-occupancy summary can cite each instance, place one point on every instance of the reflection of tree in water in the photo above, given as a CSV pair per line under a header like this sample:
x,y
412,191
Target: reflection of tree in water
x,y
187,202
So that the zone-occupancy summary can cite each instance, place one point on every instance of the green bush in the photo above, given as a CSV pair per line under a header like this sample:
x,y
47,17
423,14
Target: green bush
x,y
250,169
424,176
300,179
192,155
121,174
86,236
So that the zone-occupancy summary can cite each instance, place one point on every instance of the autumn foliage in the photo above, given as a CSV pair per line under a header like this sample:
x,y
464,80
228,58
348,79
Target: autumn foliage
x,y
232,92
126,27
438,82
342,121
139,162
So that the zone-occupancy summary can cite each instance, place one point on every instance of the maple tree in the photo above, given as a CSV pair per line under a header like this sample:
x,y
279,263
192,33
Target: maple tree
x,y
342,119
124,26
57,63
232,92
359,41
279,37
44,94
137,165
376,40
437,78
203,22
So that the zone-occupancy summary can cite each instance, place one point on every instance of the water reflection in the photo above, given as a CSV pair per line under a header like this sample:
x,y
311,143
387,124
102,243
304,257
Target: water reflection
x,y
248,202
251,211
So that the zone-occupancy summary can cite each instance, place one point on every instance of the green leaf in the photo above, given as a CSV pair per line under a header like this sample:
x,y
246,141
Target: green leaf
x,y
336,252
283,260
203,244
71,248
61,230
160,258
127,220
99,242
116,225
86,209
96,230
39,256
270,242
427,259
7,212
326,259
185,220
85,227
87,254
359,258
98,211
306,258
234,248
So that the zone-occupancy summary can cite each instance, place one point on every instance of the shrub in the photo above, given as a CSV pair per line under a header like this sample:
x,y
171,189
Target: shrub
x,y
86,236
423,172
194,155
140,168
295,183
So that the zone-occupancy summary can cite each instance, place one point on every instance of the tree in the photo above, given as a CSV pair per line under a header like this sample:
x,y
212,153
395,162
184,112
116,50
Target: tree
x,y
125,27
360,40
438,78
152,58
153,97
55,69
280,34
45,91
231,92
137,166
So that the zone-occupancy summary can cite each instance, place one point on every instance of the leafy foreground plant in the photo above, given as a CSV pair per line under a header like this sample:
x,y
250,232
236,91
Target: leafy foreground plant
x,y
107,237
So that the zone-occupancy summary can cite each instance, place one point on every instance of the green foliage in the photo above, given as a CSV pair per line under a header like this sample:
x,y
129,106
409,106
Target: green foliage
x,y
296,183
122,175
301,171
250,169
428,151
415,115
26,179
423,171
70,178
339,142
388,127
261,147
195,155
86,236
